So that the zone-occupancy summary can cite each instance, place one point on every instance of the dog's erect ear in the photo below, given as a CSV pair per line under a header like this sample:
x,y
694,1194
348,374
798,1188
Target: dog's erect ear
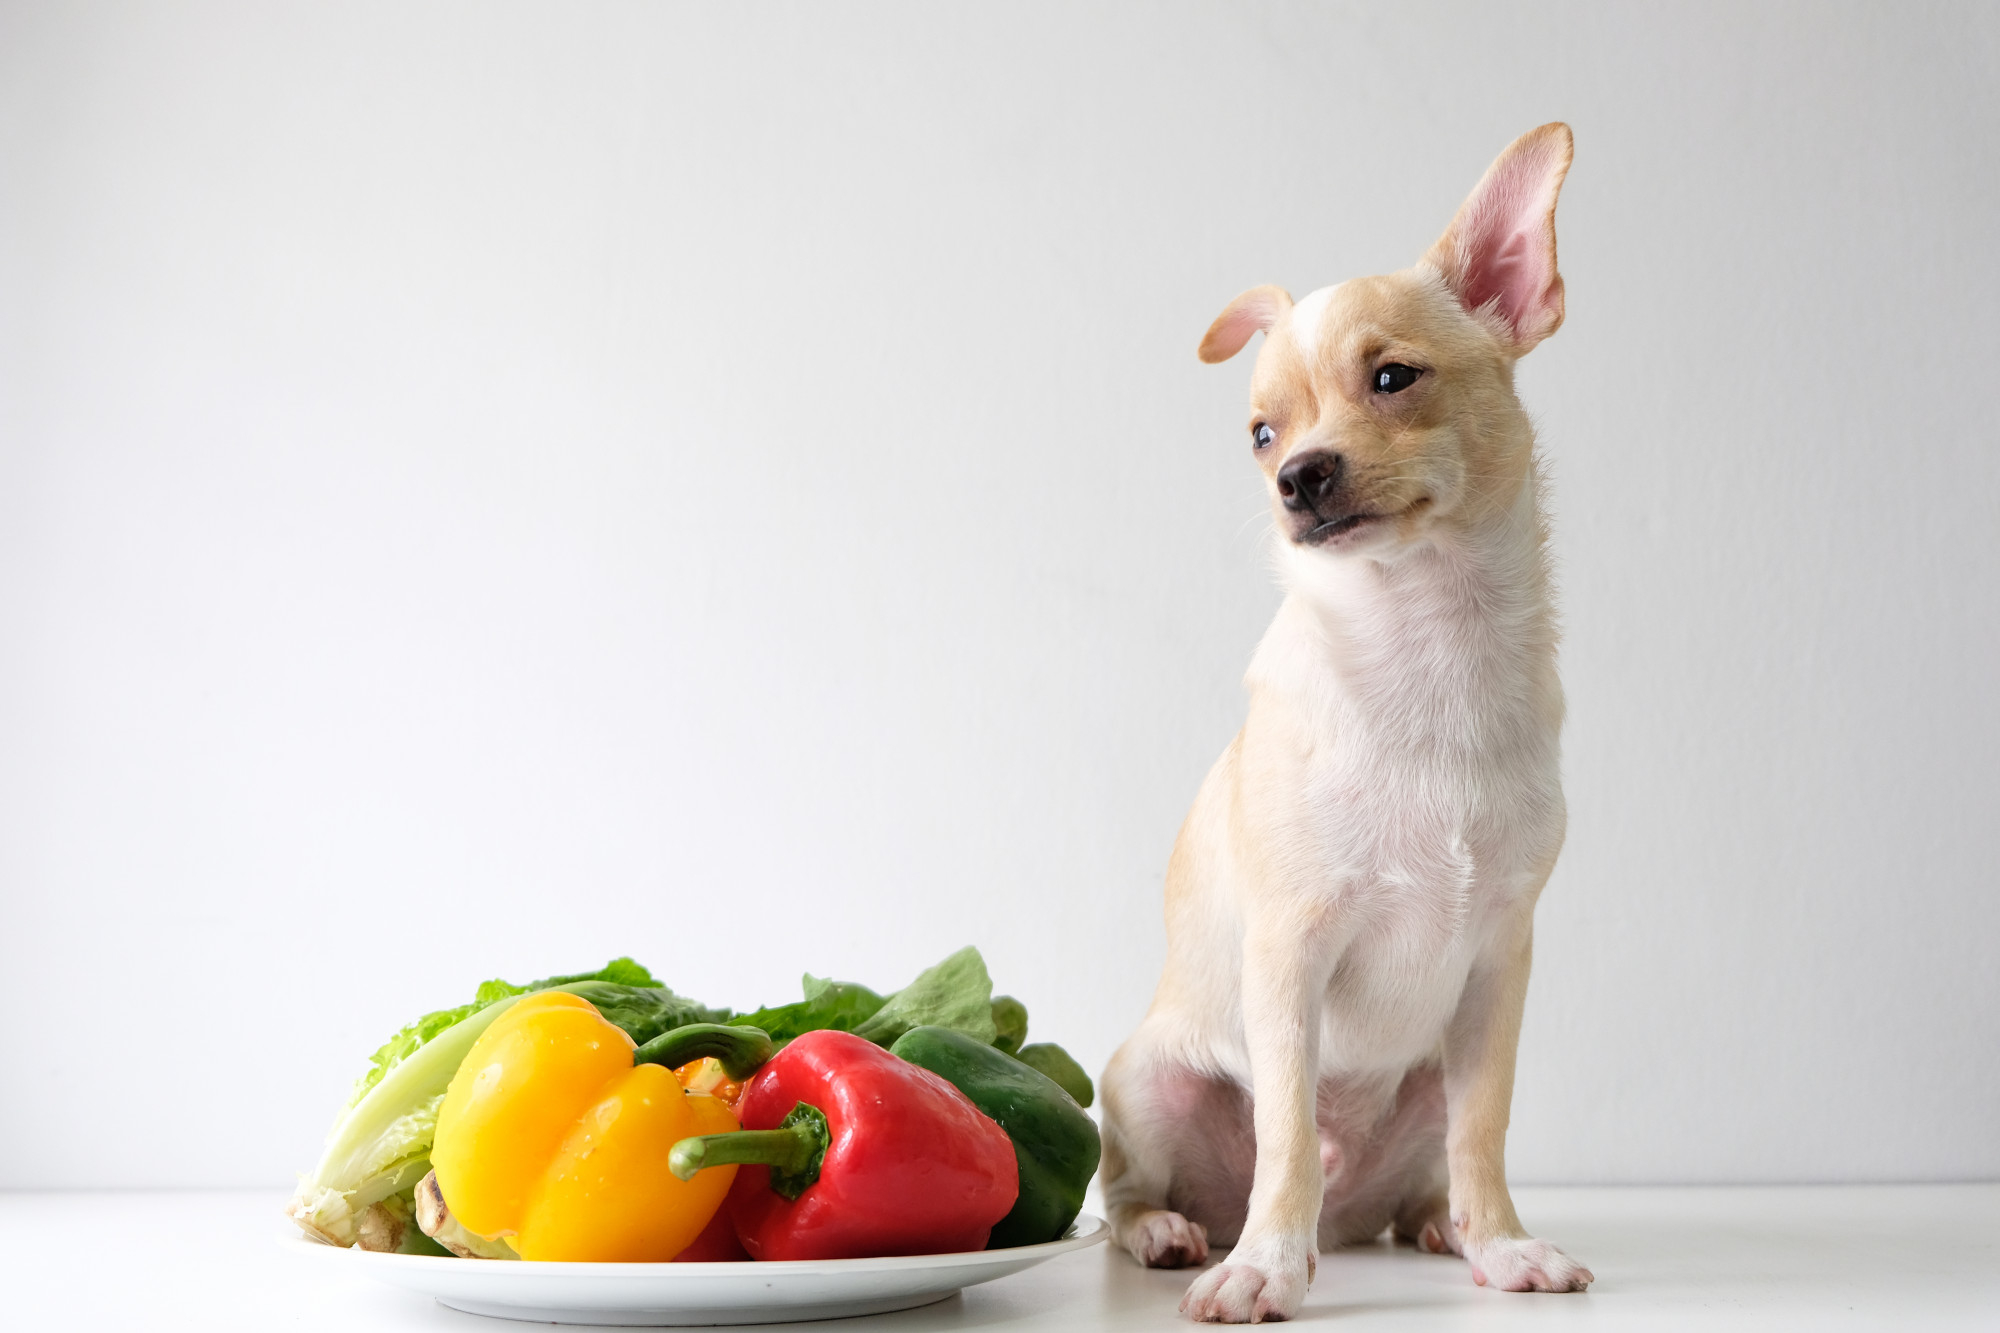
x,y
1258,308
1500,251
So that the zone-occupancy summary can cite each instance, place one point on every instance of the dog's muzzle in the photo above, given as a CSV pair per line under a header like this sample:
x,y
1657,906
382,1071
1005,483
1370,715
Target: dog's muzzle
x,y
1309,487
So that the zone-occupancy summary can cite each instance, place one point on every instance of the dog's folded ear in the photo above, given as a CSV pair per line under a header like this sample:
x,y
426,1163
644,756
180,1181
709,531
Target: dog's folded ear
x,y
1257,309
1498,256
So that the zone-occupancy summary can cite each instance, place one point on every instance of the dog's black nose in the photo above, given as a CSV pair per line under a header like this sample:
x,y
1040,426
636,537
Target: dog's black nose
x,y
1308,481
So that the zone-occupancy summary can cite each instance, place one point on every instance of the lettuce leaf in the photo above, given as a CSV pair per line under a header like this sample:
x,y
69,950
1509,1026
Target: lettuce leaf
x,y
1060,1066
841,1005
619,971
643,1011
1010,1023
956,993
380,1146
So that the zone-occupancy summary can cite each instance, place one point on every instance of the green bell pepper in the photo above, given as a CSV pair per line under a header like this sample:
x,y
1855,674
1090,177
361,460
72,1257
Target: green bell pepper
x,y
1055,1143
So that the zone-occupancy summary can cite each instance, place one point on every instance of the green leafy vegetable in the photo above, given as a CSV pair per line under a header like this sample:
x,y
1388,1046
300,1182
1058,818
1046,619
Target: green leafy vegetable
x,y
1010,1023
380,1146
621,971
1057,1063
842,1005
643,1011
955,994
406,1042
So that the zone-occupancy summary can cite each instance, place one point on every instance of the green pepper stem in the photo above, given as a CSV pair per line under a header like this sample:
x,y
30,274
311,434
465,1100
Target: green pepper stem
x,y
793,1151
784,1149
742,1050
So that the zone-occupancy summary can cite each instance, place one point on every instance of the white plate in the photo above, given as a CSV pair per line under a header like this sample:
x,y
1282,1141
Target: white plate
x,y
653,1295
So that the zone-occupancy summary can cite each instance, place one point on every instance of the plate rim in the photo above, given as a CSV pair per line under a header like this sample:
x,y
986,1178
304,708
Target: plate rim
x,y
1087,1230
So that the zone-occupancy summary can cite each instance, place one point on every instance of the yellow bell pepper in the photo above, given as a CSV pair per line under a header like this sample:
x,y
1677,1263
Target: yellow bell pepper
x,y
556,1131
707,1075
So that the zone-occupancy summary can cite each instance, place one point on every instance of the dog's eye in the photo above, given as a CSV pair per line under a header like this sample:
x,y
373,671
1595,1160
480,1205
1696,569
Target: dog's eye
x,y
1261,436
1395,377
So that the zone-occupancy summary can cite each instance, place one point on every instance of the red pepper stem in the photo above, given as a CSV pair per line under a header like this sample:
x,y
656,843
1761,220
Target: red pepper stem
x,y
742,1050
793,1151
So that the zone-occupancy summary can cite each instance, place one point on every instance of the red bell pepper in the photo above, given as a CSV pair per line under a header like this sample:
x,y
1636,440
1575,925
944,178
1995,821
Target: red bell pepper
x,y
850,1152
717,1243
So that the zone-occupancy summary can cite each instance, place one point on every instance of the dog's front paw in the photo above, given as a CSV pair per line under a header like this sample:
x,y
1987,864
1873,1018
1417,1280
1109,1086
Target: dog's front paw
x,y
1526,1265
1255,1283
1161,1239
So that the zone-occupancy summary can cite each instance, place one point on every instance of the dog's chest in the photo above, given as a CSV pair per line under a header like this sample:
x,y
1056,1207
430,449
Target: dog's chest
x,y
1417,830
1420,863
1432,804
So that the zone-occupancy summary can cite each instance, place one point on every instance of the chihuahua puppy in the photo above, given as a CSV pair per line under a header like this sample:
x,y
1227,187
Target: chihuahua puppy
x,y
1349,905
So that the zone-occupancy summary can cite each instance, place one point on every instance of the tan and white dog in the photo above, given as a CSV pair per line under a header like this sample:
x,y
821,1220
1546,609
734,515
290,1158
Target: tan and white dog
x,y
1349,905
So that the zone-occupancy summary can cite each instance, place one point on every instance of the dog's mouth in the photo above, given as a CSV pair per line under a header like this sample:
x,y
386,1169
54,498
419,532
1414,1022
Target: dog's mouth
x,y
1336,527
1333,529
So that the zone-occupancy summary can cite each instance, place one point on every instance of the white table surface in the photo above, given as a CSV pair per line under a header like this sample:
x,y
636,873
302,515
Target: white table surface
x,y
1876,1257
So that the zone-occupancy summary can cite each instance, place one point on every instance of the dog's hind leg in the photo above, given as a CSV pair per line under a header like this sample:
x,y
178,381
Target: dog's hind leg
x,y
1178,1152
1423,1217
1426,1224
1137,1171
1414,1147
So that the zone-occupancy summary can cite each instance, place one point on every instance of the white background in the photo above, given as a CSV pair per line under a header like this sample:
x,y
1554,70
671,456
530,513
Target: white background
x,y
486,488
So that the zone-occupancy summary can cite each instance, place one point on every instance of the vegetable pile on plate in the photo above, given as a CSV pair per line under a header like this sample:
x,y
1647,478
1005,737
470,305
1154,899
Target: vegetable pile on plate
x,y
601,1117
